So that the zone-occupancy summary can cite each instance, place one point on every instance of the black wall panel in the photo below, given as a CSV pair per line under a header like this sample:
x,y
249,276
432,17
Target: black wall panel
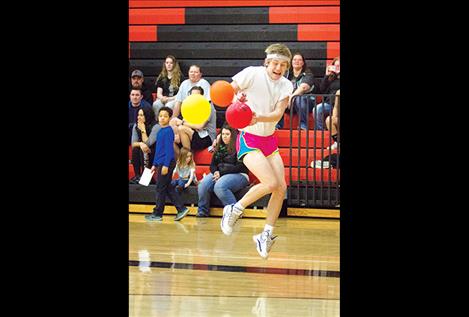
x,y
221,50
232,33
251,15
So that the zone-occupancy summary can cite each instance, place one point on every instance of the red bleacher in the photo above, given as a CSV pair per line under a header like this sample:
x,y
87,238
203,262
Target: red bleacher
x,y
316,151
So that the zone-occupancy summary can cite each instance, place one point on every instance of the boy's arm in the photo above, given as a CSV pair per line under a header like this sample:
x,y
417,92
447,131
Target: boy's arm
x,y
273,116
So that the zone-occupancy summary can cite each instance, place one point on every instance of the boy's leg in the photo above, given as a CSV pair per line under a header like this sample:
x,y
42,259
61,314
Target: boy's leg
x,y
258,164
265,239
162,183
276,199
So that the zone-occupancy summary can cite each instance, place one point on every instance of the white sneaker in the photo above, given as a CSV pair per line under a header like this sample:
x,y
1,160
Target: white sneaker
x,y
320,164
333,146
264,242
230,216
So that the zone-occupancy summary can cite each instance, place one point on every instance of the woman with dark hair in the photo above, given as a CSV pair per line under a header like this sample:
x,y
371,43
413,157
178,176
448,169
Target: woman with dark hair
x,y
167,84
227,174
143,149
302,79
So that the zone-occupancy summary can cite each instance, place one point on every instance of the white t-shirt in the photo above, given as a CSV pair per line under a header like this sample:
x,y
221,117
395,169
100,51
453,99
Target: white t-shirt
x,y
186,85
262,94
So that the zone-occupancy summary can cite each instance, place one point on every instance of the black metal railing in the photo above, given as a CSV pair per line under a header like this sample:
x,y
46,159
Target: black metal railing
x,y
320,186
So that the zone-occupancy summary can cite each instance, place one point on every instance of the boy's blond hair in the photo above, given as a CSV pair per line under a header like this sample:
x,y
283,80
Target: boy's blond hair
x,y
279,49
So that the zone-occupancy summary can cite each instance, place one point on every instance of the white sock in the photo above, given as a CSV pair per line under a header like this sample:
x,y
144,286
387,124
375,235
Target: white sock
x,y
239,206
269,228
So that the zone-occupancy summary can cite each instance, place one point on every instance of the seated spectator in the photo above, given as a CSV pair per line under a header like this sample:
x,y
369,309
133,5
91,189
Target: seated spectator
x,y
138,81
329,85
136,103
227,174
195,79
302,79
332,122
206,132
167,84
185,168
142,154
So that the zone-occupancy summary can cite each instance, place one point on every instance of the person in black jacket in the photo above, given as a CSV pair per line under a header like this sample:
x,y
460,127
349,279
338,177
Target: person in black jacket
x,y
227,174
329,85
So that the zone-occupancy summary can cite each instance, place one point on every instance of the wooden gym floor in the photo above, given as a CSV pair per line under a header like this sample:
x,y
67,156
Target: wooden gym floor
x,y
190,268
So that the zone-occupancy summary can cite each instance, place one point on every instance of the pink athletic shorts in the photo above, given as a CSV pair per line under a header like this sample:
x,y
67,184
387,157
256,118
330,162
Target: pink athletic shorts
x,y
246,142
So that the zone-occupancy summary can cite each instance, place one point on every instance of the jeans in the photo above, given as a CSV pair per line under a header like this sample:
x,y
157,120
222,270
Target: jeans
x,y
137,161
163,188
179,182
303,106
224,188
320,113
157,105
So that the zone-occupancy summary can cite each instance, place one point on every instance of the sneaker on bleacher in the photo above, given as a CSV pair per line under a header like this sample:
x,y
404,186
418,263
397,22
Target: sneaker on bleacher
x,y
333,146
320,164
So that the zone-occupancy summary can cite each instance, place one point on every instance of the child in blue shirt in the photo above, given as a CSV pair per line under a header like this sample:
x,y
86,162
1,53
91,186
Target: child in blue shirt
x,y
163,165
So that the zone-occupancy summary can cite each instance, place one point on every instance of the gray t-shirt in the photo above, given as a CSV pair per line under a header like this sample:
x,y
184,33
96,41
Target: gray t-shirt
x,y
151,138
211,127
184,172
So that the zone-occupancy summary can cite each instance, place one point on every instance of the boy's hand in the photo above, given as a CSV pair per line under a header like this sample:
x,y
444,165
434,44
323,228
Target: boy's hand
x,y
242,97
254,118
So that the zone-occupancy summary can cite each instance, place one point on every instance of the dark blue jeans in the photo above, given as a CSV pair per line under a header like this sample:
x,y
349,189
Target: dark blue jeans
x,y
163,188
303,106
179,182
224,188
320,114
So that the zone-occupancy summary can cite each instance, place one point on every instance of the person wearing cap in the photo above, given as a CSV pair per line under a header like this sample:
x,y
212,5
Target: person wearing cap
x,y
137,80
267,92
